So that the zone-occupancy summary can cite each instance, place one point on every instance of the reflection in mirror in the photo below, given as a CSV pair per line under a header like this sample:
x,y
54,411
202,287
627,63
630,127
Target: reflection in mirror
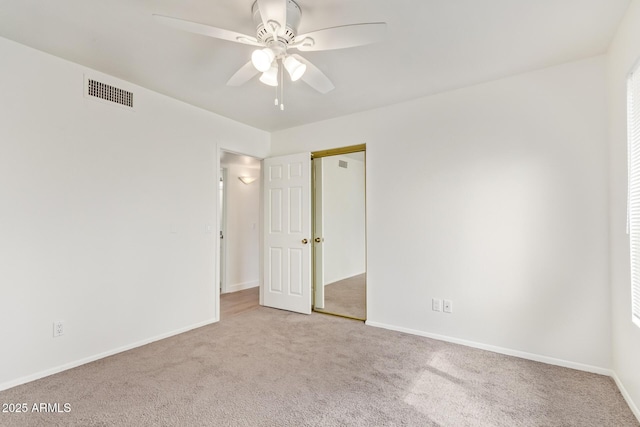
x,y
339,232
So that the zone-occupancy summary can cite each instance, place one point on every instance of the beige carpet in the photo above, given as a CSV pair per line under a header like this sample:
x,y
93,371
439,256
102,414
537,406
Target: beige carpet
x,y
266,367
347,297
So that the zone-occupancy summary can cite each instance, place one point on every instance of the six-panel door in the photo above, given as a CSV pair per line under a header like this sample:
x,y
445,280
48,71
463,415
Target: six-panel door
x,y
287,232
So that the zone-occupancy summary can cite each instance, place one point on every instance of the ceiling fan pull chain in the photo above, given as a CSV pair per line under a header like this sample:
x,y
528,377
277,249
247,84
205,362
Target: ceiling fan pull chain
x,y
281,86
275,101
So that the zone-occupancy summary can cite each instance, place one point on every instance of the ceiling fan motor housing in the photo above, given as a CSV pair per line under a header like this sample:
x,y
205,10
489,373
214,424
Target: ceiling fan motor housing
x,y
286,34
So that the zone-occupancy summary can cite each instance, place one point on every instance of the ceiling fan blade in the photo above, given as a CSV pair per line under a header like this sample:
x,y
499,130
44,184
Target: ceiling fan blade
x,y
207,30
314,77
243,75
273,11
341,37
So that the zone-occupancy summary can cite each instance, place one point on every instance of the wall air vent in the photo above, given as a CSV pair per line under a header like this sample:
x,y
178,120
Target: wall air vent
x,y
342,164
109,93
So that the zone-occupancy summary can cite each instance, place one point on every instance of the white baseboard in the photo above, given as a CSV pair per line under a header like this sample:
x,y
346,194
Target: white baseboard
x,y
242,286
501,350
626,395
74,364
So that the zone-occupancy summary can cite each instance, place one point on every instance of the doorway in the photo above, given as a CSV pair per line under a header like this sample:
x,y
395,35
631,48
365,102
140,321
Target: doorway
x,y
239,239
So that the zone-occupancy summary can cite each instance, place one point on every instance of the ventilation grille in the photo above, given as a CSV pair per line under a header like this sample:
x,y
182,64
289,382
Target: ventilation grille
x,y
110,93
342,164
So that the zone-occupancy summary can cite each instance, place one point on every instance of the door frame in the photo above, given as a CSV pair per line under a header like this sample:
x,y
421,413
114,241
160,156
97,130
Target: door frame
x,y
222,221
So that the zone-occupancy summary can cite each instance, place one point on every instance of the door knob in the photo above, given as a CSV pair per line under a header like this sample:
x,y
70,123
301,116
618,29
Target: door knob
x,y
318,240
305,241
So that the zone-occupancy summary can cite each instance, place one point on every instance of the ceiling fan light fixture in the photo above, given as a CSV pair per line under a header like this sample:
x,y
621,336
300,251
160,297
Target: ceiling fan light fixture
x,y
270,77
294,67
262,58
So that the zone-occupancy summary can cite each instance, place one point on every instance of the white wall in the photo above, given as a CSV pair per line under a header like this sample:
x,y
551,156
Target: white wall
x,y
493,196
623,54
243,219
103,215
343,213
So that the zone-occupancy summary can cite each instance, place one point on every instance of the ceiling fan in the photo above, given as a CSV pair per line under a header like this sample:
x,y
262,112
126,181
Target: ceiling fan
x,y
277,23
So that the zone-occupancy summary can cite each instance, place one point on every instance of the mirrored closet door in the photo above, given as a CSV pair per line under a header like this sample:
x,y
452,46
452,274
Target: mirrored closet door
x,y
340,232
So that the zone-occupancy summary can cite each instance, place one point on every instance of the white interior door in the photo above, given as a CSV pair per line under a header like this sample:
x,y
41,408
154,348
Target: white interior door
x,y
287,233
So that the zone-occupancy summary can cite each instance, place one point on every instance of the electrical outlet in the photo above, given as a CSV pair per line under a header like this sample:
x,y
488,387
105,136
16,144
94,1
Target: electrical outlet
x,y
436,304
58,328
447,306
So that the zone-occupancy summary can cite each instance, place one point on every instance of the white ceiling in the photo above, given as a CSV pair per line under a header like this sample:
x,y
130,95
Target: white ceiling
x,y
432,46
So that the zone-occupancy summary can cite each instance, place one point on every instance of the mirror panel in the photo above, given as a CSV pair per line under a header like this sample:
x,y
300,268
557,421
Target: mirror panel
x,y
340,235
